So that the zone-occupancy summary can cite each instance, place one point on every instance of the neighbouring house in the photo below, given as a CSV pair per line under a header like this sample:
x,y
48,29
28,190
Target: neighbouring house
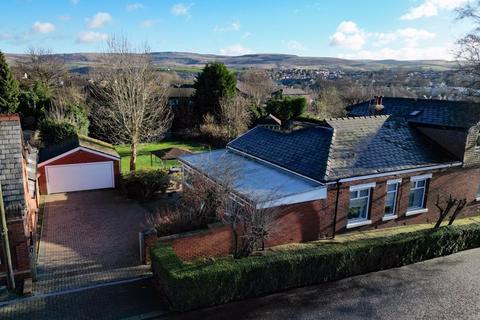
x,y
180,100
79,163
292,92
383,166
270,122
18,178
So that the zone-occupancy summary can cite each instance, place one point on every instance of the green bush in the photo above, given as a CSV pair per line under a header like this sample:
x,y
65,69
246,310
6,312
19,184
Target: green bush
x,y
53,132
143,184
200,284
286,108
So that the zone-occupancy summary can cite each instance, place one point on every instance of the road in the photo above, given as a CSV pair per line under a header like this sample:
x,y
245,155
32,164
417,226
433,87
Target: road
x,y
443,288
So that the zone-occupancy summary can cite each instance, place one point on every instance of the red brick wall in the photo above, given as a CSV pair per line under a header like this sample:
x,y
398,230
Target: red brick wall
x,y
214,242
314,220
18,247
459,183
79,156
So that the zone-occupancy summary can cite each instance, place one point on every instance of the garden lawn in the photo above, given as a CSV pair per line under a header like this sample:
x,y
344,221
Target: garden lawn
x,y
143,158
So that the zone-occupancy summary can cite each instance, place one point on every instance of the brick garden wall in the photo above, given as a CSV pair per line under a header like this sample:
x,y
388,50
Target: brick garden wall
x,y
79,156
314,220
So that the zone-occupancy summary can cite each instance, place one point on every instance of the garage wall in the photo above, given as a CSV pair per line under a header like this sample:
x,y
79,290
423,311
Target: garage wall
x,y
79,156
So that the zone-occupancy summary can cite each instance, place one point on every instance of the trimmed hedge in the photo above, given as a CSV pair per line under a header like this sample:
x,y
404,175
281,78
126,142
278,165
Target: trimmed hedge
x,y
201,284
143,184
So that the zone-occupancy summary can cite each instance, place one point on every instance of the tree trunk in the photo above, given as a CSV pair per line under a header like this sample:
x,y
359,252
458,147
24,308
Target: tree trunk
x,y
133,156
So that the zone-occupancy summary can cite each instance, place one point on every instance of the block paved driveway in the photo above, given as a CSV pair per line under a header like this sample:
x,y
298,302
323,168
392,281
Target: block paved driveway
x,y
89,238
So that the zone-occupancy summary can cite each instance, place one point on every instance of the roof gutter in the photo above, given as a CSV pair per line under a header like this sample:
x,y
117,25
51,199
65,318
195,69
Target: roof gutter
x,y
391,173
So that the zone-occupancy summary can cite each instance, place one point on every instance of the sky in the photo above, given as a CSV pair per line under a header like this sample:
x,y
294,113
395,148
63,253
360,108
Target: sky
x,y
354,29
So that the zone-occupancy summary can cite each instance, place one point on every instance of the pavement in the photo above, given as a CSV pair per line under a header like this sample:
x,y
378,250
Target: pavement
x,y
442,288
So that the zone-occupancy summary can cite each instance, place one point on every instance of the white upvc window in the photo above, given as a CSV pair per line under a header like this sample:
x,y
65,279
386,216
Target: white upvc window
x,y
391,198
417,196
478,193
359,207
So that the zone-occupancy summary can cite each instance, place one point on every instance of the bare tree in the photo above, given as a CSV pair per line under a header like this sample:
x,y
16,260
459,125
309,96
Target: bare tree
x,y
257,84
40,64
328,104
131,101
444,208
235,116
469,46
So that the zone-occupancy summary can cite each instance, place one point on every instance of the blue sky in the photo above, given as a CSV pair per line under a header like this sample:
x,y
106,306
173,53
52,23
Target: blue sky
x,y
371,29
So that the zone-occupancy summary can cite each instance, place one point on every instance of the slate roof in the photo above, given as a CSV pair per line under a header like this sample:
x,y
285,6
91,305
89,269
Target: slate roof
x,y
170,153
346,147
379,144
175,92
75,142
456,114
302,151
11,159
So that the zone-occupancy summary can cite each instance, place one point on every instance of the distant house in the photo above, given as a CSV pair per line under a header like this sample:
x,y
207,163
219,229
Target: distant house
x,y
18,178
292,92
180,99
383,166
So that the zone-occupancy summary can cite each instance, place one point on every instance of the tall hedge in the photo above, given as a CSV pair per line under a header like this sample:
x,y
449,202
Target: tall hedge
x,y
194,285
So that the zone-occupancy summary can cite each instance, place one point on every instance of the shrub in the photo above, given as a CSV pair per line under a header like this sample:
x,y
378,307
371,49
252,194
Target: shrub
x,y
53,132
286,108
142,185
200,284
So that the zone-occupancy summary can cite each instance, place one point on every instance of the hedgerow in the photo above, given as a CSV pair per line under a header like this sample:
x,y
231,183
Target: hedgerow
x,y
191,285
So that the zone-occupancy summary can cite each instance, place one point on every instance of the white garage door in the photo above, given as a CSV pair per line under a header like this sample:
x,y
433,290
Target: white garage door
x,y
77,177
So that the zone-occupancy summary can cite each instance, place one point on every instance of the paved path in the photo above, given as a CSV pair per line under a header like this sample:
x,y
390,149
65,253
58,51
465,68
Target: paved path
x,y
443,288
88,238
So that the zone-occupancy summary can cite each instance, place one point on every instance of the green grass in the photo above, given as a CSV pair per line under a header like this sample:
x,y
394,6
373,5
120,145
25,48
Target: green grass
x,y
143,158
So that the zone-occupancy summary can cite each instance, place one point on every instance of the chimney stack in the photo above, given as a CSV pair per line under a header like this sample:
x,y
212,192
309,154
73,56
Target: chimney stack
x,y
377,107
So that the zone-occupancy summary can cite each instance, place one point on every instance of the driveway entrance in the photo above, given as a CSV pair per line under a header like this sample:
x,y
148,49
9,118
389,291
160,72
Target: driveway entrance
x,y
89,238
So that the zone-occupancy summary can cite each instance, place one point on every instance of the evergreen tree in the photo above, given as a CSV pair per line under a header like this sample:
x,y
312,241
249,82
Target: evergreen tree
x,y
9,88
214,84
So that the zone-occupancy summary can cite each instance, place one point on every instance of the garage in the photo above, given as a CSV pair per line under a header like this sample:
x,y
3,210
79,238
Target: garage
x,y
79,164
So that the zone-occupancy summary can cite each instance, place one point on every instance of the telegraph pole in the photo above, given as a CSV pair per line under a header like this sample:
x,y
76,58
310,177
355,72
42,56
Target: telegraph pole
x,y
6,244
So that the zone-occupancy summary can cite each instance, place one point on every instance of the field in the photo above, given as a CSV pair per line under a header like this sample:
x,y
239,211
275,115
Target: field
x,y
143,158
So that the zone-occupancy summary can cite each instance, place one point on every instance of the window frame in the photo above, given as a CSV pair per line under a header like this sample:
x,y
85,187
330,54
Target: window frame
x,y
351,223
394,214
477,195
426,179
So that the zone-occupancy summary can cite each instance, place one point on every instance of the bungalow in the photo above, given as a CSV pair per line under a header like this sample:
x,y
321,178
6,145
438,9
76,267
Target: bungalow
x,y
18,180
383,166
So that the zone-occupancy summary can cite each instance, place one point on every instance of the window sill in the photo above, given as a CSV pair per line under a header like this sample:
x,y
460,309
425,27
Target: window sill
x,y
389,217
355,224
477,199
416,211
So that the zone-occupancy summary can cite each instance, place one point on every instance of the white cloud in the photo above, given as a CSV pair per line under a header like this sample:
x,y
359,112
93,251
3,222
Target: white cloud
x,y
234,26
43,27
99,20
430,8
410,36
295,45
181,9
348,35
405,53
91,37
235,50
134,6
149,23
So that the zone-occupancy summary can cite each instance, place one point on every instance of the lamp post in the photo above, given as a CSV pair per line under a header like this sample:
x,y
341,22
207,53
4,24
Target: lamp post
x,y
6,245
